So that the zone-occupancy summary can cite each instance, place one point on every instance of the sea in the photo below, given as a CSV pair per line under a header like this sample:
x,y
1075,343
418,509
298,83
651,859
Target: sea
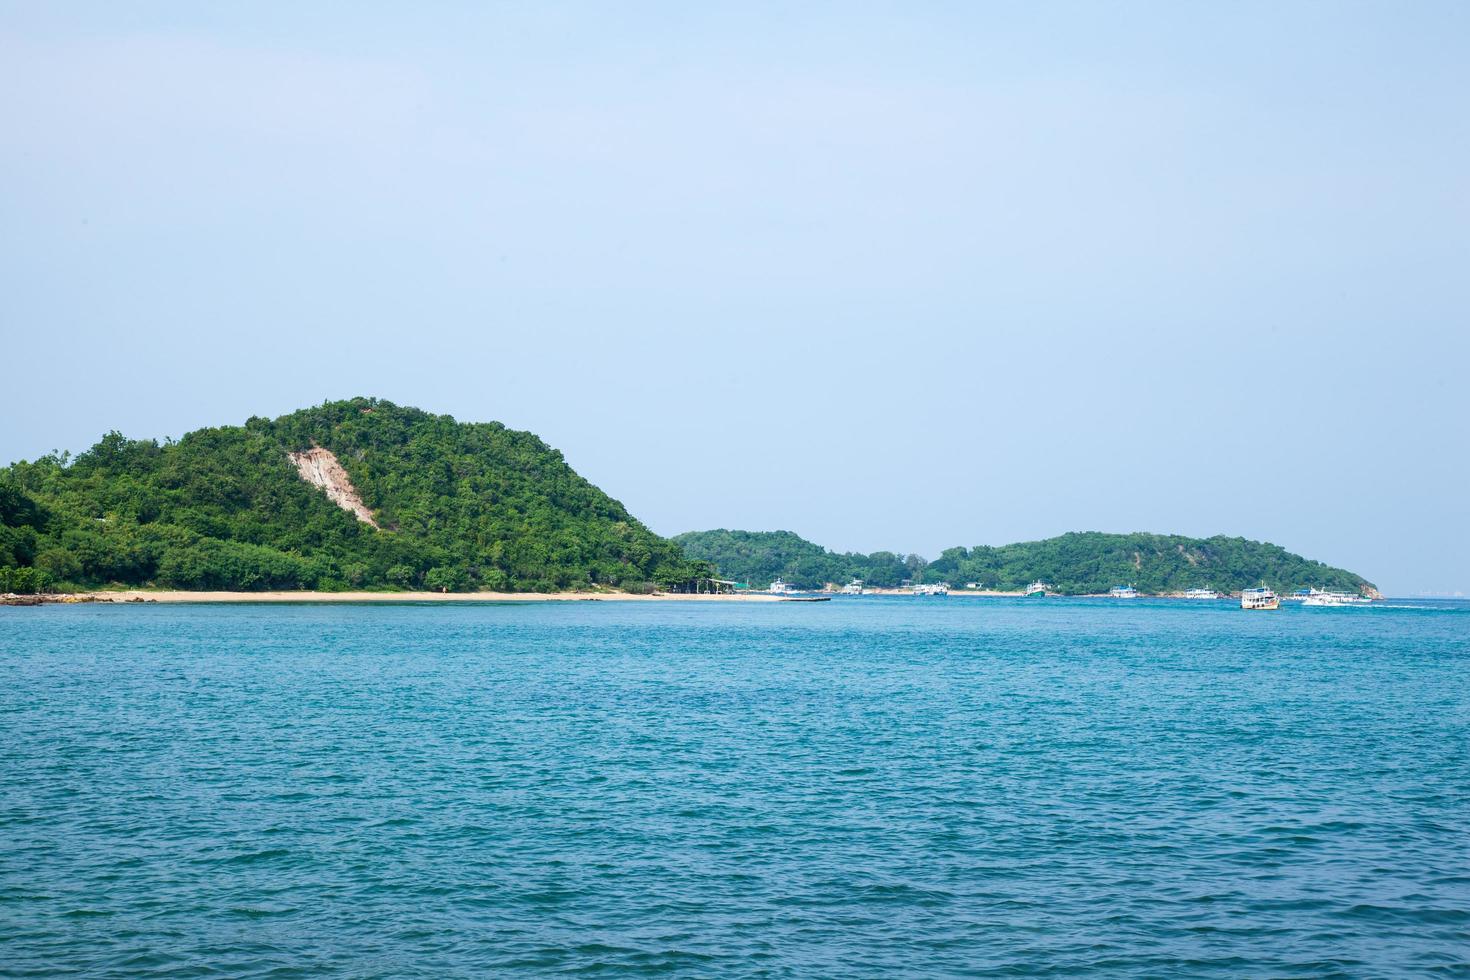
x,y
867,787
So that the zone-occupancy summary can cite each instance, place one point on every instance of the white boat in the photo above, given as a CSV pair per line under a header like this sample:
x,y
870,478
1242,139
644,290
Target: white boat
x,y
972,585
855,587
1037,588
1201,594
1318,597
1123,592
932,588
1262,598
779,587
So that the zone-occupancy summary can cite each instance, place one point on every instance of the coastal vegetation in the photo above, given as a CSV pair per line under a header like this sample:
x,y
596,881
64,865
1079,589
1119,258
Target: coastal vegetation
x,y
759,557
365,494
1078,563
457,506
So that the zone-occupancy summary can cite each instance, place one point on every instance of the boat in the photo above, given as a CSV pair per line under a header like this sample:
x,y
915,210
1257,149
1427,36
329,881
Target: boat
x,y
1201,594
1037,588
1262,598
932,588
1318,597
1123,592
855,587
779,587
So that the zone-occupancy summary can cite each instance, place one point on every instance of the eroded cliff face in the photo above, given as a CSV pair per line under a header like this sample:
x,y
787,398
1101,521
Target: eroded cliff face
x,y
320,468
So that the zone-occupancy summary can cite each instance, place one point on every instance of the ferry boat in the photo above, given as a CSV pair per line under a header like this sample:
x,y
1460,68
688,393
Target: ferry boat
x,y
1037,588
855,587
779,587
1123,592
1262,598
1201,594
1317,597
932,588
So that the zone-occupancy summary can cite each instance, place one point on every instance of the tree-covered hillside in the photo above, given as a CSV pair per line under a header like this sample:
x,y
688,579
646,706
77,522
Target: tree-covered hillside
x,y
1089,562
1077,563
461,506
758,557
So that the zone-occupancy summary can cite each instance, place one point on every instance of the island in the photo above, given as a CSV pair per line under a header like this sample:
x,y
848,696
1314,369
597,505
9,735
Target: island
x,y
1078,563
363,497
360,494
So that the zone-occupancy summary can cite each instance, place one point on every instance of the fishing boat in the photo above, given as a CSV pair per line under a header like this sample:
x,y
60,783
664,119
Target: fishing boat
x,y
779,587
1123,592
1037,588
1318,597
1262,598
1201,594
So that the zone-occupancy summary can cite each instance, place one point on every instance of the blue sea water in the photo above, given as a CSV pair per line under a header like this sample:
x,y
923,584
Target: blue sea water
x,y
866,787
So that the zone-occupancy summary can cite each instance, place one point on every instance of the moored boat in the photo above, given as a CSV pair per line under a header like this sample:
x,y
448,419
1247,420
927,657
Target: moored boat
x,y
779,587
1201,594
1123,592
855,587
1037,588
1262,598
932,589
1318,597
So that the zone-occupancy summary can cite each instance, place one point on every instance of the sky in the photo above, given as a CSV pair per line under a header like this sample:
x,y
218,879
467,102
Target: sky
x,y
892,276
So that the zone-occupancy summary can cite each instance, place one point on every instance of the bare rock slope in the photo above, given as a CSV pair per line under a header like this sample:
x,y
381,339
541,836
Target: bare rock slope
x,y
319,467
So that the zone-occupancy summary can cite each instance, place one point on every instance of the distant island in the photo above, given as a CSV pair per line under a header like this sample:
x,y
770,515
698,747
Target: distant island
x,y
363,494
355,494
1080,563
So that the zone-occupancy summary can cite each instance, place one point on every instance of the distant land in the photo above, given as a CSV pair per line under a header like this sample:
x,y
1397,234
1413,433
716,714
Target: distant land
x,y
1080,563
363,494
356,494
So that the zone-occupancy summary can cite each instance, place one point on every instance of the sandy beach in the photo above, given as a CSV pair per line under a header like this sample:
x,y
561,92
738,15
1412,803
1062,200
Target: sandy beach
x,y
147,595
952,592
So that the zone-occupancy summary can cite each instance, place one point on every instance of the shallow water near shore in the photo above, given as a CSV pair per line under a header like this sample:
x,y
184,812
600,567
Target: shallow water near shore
x,y
864,787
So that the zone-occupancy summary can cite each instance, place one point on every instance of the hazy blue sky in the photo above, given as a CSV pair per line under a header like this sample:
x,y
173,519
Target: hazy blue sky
x,y
891,276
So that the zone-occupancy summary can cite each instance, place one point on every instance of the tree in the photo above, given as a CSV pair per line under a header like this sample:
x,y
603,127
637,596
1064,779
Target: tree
x,y
442,578
489,506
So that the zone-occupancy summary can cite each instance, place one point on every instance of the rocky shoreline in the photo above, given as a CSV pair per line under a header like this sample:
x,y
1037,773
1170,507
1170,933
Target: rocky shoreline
x,y
47,598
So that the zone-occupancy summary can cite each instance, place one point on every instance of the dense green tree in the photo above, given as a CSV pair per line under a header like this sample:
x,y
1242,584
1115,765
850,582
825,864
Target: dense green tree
x,y
758,557
23,580
1092,562
1077,563
458,506
21,522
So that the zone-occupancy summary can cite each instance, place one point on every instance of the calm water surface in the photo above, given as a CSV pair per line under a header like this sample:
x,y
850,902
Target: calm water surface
x,y
864,787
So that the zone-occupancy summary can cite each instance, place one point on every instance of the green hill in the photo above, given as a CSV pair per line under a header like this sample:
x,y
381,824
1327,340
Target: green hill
x,y
759,557
456,505
1076,563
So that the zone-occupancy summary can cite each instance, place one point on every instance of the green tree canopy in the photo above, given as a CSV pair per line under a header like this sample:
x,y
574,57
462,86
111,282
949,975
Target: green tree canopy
x,y
1076,563
458,506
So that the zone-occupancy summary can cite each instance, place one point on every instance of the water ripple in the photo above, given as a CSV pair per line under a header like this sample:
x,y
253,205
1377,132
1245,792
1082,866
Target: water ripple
x,y
850,789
